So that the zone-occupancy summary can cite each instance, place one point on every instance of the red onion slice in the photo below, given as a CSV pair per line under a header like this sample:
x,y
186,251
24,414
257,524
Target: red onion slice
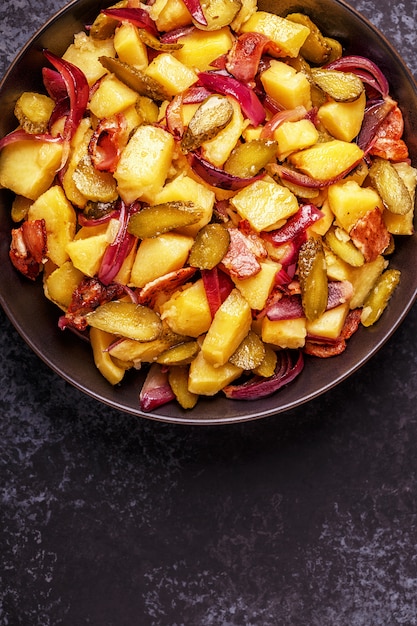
x,y
217,177
257,387
305,217
22,135
156,389
135,15
367,71
227,85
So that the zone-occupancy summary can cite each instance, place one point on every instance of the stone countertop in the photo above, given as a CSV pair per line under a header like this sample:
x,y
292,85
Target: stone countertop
x,y
303,519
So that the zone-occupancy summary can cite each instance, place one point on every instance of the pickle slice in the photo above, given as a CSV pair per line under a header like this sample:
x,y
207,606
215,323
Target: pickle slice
x,y
181,354
209,247
341,86
247,159
390,186
208,120
340,243
250,353
126,319
135,79
155,220
93,184
377,300
153,42
316,48
267,366
178,380
313,279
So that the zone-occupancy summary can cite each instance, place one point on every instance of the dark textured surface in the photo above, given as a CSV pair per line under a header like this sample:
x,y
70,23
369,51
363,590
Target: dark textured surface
x,y
305,519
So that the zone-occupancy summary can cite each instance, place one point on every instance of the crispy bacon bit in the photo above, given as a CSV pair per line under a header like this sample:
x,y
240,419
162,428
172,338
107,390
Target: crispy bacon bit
x,y
164,284
240,260
370,234
29,247
388,143
244,57
324,350
107,143
89,294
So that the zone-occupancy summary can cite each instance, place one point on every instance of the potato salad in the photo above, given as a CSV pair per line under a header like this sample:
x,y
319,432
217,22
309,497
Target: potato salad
x,y
210,193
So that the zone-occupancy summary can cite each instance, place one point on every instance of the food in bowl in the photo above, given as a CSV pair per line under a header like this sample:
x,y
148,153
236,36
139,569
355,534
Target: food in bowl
x,y
210,193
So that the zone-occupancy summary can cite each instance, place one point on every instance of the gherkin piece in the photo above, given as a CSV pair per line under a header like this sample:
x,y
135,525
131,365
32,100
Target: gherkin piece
x,y
315,49
209,119
344,247
95,185
155,220
104,26
126,319
210,246
341,86
390,186
153,42
135,79
250,353
247,159
97,210
181,354
378,298
313,278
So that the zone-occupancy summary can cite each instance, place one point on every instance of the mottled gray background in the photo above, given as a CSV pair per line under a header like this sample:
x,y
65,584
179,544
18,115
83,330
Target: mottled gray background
x,y
306,519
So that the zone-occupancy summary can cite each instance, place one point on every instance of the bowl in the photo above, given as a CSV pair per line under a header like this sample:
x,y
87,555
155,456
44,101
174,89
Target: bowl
x,y
35,318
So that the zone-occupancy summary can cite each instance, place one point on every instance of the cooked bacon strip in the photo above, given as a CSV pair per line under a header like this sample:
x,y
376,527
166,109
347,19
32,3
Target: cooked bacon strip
x,y
324,350
370,234
244,57
240,260
107,143
29,247
164,284
388,143
89,294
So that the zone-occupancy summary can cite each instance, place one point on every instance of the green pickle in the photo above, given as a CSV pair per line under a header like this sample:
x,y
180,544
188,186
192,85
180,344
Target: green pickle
x,y
313,279
377,300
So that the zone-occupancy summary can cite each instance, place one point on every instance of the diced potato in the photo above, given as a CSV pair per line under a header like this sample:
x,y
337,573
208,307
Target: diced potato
x,y
336,268
169,14
200,48
60,222
287,86
33,111
100,340
363,279
123,275
111,97
171,73
217,150
284,333
265,204
144,164
288,36
181,189
86,253
136,352
350,202
343,120
28,167
256,289
229,327
187,312
294,136
206,380
85,53
60,284
158,256
130,47
323,224
326,160
330,324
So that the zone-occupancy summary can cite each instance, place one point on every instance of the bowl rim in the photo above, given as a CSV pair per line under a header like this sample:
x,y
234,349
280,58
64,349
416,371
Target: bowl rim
x,y
250,411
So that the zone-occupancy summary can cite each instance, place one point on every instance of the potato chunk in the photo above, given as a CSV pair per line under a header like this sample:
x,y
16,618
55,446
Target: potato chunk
x,y
144,164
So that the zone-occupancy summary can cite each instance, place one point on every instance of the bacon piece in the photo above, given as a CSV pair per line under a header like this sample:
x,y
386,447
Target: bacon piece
x,y
244,57
370,234
164,284
324,350
240,260
89,294
28,247
107,142
388,143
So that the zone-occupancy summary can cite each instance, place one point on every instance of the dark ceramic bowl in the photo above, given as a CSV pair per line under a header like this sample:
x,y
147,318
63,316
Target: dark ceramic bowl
x,y
35,318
